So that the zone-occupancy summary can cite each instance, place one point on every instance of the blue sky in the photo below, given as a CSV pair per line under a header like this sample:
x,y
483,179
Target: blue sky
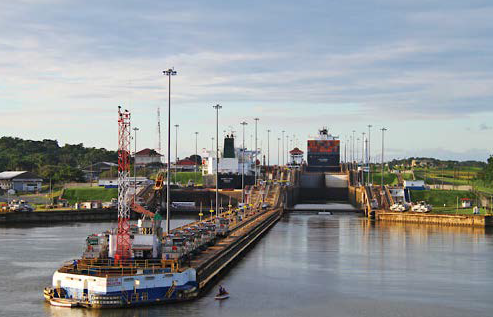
x,y
423,69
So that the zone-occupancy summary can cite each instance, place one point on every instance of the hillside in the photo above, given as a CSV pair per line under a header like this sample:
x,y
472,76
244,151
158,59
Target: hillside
x,y
48,159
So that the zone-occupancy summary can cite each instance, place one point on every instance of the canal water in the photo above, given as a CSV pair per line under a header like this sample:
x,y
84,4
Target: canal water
x,y
306,265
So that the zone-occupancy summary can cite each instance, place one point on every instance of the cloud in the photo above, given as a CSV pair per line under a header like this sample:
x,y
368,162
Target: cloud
x,y
474,154
290,63
484,127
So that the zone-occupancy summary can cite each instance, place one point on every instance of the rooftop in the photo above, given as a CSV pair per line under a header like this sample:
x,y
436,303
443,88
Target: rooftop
x,y
147,152
7,175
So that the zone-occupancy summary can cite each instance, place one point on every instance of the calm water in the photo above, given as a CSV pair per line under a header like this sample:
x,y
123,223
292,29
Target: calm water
x,y
307,265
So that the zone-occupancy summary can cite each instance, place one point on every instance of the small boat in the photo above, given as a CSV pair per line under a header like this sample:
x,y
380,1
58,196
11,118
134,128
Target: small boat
x,y
222,296
63,302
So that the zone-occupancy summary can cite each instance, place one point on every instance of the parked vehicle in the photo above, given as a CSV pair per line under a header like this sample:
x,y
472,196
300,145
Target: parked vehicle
x,y
20,206
374,203
400,206
422,206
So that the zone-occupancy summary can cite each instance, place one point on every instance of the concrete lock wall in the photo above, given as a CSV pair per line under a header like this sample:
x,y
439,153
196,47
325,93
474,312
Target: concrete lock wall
x,y
451,220
312,180
336,180
323,186
355,196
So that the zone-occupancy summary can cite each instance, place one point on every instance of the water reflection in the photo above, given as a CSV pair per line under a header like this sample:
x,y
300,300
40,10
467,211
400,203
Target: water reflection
x,y
307,265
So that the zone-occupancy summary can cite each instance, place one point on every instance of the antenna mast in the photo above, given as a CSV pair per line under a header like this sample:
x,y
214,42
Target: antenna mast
x,y
123,244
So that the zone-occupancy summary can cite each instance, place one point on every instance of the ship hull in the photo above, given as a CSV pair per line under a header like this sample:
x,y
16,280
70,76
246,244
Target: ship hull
x,y
125,291
228,181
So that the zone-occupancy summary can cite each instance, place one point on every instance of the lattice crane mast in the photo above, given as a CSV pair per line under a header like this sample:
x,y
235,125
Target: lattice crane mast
x,y
123,243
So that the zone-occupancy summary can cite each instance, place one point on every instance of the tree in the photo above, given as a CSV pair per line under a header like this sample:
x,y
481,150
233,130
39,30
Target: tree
x,y
487,173
47,159
196,158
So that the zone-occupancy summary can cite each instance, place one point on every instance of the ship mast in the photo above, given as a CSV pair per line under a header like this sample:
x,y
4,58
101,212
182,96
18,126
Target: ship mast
x,y
123,243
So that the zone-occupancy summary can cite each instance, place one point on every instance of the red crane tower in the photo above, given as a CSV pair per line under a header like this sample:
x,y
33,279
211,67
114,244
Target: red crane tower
x,y
123,243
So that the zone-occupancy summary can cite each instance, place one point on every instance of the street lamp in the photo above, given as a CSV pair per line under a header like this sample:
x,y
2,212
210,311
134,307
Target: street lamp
x,y
268,149
196,156
383,132
345,149
243,165
176,149
135,166
170,72
217,107
256,149
352,151
369,153
363,141
283,147
357,151
287,149
278,144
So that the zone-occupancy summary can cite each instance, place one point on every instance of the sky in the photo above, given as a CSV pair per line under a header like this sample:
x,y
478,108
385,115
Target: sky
x,y
423,69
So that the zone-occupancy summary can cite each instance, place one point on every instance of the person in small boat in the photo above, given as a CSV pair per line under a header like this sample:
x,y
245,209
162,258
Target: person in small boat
x,y
222,290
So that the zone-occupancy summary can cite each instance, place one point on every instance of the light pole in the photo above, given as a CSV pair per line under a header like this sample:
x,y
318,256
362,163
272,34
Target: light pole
x,y
278,144
256,149
170,72
369,153
363,148
352,151
283,147
287,149
268,149
243,165
135,166
383,132
176,150
217,107
212,145
363,140
196,156
345,149
357,151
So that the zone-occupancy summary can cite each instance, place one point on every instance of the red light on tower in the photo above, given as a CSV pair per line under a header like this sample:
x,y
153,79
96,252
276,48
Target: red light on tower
x,y
123,244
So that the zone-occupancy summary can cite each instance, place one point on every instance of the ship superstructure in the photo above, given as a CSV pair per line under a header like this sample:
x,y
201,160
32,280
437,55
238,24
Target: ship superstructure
x,y
232,163
323,152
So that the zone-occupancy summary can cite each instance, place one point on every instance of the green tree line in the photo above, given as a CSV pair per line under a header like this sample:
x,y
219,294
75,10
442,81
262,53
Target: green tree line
x,y
48,159
487,173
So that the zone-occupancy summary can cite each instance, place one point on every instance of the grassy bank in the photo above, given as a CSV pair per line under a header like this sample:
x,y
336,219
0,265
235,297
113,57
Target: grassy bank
x,y
388,178
184,177
460,211
437,198
81,194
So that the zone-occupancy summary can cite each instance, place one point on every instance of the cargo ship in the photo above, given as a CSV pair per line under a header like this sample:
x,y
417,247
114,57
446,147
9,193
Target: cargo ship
x,y
232,164
323,152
